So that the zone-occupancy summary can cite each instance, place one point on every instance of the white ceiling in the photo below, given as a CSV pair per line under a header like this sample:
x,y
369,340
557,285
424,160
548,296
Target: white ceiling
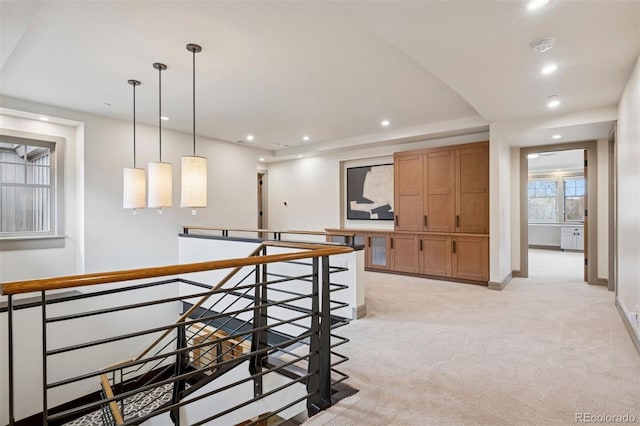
x,y
331,70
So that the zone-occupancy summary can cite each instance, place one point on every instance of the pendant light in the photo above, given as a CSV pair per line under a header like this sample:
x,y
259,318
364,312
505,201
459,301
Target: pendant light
x,y
193,191
160,174
134,191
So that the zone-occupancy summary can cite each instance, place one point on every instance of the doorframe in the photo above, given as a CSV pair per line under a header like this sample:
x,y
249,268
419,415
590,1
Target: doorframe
x,y
612,283
265,199
592,203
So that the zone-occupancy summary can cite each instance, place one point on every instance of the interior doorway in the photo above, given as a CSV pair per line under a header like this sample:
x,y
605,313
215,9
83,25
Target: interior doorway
x,y
261,212
558,187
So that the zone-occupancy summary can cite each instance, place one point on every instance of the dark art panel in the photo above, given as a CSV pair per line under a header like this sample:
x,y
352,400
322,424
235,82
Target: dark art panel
x,y
370,192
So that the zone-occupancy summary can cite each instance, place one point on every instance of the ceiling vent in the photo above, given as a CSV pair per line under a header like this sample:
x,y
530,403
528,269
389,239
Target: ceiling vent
x,y
543,44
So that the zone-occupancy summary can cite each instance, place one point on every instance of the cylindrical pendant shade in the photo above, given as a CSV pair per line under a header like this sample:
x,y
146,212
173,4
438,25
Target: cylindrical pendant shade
x,y
194,182
135,189
160,185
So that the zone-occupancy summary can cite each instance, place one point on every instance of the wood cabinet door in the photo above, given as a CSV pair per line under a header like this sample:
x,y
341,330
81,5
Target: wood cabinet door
x,y
435,255
439,184
407,183
472,190
470,258
376,251
404,253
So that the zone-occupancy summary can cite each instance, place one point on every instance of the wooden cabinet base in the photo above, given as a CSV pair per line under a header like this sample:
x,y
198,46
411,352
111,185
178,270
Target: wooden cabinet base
x,y
431,277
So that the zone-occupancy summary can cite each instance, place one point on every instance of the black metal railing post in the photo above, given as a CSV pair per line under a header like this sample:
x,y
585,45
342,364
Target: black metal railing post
x,y
325,337
10,354
182,362
45,415
259,335
313,382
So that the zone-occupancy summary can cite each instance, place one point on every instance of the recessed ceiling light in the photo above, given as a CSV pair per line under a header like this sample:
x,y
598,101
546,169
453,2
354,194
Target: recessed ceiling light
x,y
553,101
44,118
163,118
536,4
385,123
531,156
299,155
261,159
556,136
305,138
549,69
250,138
544,44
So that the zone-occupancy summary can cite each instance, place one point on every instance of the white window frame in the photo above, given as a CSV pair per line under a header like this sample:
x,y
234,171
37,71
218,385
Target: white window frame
x,y
34,240
560,198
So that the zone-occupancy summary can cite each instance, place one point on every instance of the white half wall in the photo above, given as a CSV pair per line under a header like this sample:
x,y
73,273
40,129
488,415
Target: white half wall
x,y
628,158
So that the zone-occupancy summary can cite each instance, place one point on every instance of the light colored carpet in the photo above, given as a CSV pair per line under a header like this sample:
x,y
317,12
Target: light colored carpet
x,y
440,353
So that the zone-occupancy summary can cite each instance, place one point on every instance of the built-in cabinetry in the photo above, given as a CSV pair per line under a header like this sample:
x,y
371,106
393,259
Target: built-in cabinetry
x,y
443,189
572,238
441,223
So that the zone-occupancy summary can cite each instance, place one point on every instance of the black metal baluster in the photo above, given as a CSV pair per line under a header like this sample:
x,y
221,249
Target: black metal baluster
x,y
45,420
11,386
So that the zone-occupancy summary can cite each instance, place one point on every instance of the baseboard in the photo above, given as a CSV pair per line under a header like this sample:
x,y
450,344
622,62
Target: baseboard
x,y
359,312
501,285
544,247
516,274
634,332
602,281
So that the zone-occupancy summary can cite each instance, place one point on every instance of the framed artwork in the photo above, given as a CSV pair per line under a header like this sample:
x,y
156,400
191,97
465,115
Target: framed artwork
x,y
370,192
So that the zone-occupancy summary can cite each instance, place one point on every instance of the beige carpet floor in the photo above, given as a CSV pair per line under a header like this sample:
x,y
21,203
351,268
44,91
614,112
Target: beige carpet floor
x,y
440,353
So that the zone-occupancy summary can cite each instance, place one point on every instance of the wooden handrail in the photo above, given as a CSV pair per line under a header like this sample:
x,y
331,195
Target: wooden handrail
x,y
46,284
113,406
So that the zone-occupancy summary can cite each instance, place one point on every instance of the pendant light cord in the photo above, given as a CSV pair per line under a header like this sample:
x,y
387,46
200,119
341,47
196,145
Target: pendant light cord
x,y
134,125
160,112
194,103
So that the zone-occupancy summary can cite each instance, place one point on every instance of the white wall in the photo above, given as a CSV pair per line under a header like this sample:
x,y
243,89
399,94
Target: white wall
x,y
499,207
116,239
53,261
628,158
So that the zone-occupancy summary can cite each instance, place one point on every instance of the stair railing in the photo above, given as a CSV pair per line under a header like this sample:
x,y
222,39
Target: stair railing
x,y
260,307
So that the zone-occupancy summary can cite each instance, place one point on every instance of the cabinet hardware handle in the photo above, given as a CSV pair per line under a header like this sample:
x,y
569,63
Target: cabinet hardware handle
x,y
391,243
453,247
457,221
369,241
426,221
397,220
420,245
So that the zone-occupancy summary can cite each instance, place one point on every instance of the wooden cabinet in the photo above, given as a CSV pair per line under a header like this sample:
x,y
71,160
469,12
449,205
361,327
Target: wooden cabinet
x,y
441,203
377,251
404,253
407,192
472,190
438,188
435,255
470,258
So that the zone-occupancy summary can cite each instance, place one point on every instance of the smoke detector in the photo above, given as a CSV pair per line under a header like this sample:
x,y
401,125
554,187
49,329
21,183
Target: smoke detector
x,y
543,44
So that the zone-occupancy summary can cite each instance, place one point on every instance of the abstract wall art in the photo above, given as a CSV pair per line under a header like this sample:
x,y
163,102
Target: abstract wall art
x,y
370,192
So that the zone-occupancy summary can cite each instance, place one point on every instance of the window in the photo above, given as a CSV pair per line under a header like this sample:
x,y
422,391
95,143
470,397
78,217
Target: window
x,y
542,200
556,199
27,188
574,190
